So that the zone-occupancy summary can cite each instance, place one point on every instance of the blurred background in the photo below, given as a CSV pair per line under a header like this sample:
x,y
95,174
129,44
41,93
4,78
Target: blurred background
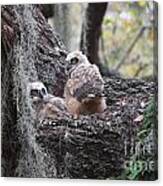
x,y
119,37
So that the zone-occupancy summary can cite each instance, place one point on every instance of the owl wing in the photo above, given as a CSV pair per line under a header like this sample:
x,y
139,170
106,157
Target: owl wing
x,y
71,86
85,82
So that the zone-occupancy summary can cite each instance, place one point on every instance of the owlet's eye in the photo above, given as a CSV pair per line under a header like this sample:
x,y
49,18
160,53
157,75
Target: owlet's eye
x,y
43,91
74,60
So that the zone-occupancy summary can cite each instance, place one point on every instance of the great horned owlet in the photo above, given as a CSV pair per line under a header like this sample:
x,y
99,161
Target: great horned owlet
x,y
45,104
84,88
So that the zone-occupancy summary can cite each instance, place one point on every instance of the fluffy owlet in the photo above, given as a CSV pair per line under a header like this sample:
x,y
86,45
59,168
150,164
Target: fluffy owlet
x,y
84,88
45,105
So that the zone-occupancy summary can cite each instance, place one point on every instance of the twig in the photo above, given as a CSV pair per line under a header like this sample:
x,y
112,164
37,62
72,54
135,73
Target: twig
x,y
138,36
142,67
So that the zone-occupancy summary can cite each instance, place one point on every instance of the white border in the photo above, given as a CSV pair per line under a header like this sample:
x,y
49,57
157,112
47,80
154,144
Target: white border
x,y
73,182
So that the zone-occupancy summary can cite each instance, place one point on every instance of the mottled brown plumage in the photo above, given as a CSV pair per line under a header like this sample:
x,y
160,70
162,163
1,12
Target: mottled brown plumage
x,y
84,88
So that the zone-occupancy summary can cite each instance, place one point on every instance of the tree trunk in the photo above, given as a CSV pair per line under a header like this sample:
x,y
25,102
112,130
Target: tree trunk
x,y
68,23
91,31
91,147
31,51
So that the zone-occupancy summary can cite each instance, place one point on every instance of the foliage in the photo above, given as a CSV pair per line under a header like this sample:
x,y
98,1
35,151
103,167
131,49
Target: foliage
x,y
150,119
143,164
121,24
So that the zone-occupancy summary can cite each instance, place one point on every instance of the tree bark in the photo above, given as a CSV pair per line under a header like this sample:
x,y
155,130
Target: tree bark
x,y
49,50
31,51
98,146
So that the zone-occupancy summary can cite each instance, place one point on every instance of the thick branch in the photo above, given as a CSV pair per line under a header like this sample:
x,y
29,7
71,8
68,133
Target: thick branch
x,y
97,146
